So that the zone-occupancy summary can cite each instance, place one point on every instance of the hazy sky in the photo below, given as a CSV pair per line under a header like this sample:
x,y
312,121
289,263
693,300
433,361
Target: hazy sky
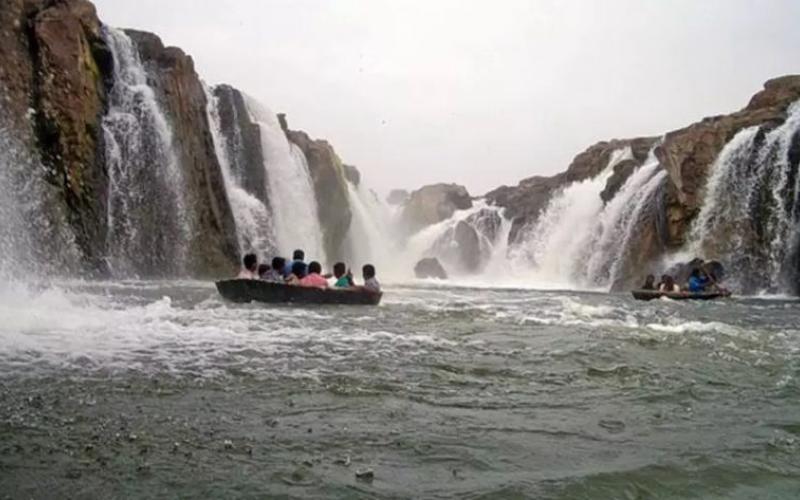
x,y
479,93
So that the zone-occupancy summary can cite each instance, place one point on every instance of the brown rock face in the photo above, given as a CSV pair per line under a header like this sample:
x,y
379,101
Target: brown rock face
x,y
329,176
243,142
213,250
435,203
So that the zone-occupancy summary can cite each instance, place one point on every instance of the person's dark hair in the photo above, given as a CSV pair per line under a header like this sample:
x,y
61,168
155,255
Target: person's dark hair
x,y
263,269
250,261
369,271
315,267
696,272
278,263
298,269
339,269
298,255
650,278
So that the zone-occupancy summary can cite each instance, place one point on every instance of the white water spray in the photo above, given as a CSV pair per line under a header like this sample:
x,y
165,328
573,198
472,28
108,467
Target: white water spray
x,y
291,192
148,229
254,231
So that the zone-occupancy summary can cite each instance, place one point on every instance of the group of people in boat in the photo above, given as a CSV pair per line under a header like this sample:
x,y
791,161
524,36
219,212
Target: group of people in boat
x,y
699,281
297,272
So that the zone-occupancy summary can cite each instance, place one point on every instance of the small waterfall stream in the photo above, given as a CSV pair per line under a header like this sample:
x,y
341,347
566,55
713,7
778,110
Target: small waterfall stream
x,y
292,198
750,218
148,228
254,229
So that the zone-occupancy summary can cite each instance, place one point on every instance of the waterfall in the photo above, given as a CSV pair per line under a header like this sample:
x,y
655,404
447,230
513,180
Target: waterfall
x,y
146,211
578,240
254,229
750,217
369,240
35,237
291,193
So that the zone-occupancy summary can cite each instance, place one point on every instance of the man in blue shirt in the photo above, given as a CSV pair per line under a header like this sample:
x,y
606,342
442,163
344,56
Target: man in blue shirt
x,y
697,281
297,256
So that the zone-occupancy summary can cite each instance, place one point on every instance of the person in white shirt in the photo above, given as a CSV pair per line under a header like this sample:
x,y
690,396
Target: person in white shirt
x,y
250,268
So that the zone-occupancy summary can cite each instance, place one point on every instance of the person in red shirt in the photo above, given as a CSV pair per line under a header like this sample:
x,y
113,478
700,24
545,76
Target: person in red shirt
x,y
314,277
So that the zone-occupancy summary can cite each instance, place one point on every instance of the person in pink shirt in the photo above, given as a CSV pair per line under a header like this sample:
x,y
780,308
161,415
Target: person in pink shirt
x,y
314,277
249,267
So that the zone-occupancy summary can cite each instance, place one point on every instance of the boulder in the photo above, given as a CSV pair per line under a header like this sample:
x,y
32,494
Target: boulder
x,y
329,177
460,247
487,223
434,203
213,250
397,197
430,268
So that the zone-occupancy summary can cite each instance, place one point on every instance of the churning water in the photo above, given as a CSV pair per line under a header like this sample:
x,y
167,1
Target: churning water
x,y
146,389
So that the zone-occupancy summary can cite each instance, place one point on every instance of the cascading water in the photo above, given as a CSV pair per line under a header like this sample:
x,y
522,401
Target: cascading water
x,y
148,228
751,214
560,242
35,239
369,239
579,241
254,229
292,198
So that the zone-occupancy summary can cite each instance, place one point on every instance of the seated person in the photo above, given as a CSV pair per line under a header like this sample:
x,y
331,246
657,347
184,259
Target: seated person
x,y
249,267
263,270
297,257
370,282
314,277
668,284
344,278
649,283
275,274
698,282
298,273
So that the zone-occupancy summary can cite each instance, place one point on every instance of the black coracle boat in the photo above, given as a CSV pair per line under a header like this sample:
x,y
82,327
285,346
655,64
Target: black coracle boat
x,y
243,290
655,294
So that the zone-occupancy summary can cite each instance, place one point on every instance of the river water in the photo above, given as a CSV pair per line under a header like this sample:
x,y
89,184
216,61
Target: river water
x,y
149,389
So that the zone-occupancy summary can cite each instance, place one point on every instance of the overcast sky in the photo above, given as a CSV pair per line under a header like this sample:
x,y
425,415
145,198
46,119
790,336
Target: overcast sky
x,y
479,93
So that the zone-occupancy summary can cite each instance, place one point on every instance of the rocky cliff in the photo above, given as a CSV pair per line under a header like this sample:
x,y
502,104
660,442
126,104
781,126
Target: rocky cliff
x,y
53,67
330,177
213,249
431,204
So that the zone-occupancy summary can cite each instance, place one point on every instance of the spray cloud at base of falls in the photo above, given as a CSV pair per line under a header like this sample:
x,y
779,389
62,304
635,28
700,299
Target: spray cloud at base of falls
x,y
295,217
751,214
148,224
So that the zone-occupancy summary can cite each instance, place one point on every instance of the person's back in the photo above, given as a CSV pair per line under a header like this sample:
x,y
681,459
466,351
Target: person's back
x,y
343,278
649,283
371,283
668,284
298,257
249,267
314,277
697,283
275,275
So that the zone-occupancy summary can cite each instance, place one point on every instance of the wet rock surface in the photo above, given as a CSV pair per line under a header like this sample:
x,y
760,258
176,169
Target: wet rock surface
x,y
431,204
430,268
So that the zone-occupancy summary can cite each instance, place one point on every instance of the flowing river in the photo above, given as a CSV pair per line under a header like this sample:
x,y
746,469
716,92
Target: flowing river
x,y
154,389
